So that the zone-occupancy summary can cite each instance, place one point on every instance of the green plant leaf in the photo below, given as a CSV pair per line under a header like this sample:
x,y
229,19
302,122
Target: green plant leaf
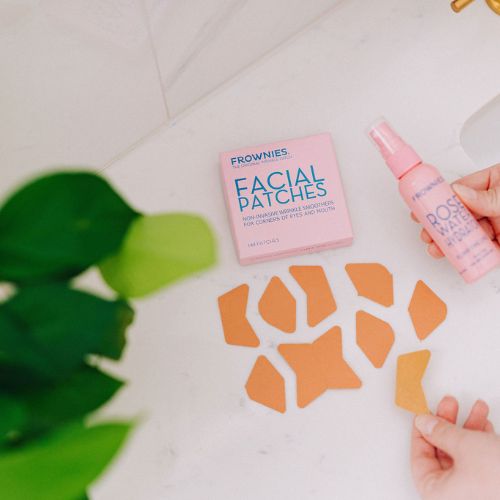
x,y
83,392
56,226
60,465
157,250
13,416
47,330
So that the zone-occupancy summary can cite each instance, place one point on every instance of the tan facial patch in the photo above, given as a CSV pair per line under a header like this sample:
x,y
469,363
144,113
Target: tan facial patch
x,y
319,366
410,371
374,337
320,300
427,310
266,386
372,281
233,309
277,306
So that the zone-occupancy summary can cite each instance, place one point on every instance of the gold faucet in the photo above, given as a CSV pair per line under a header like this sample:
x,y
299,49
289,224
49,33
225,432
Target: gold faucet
x,y
458,5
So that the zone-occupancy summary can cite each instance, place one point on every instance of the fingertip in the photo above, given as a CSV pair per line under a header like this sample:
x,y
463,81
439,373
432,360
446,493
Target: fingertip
x,y
434,251
465,192
487,228
478,416
425,424
447,401
415,430
489,428
447,405
449,397
480,410
482,405
425,236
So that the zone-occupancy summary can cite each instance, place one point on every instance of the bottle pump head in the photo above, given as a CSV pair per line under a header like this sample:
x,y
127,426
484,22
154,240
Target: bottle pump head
x,y
399,156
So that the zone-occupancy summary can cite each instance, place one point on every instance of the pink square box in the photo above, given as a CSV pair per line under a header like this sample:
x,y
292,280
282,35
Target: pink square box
x,y
285,198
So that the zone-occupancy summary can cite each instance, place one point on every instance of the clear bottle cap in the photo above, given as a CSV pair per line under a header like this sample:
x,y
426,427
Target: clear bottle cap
x,y
399,156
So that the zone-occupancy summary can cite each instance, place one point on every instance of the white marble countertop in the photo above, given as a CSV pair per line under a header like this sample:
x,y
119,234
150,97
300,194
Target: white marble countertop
x,y
427,70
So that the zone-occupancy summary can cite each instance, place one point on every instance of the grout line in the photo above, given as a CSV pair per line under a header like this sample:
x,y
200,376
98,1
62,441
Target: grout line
x,y
219,88
256,62
155,55
134,145
156,129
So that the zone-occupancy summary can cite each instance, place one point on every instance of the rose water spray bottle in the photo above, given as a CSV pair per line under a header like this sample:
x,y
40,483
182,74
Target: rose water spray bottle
x,y
450,224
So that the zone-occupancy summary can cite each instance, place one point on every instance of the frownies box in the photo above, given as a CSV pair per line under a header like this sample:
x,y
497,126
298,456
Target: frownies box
x,y
285,198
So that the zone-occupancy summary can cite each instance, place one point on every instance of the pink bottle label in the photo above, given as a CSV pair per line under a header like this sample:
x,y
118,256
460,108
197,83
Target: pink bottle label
x,y
451,225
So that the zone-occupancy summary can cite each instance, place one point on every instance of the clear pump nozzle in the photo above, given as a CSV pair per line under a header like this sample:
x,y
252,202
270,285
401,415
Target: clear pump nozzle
x,y
399,156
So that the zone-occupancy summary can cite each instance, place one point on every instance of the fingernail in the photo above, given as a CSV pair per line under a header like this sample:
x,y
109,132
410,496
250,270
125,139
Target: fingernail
x,y
448,398
425,424
465,191
428,250
481,402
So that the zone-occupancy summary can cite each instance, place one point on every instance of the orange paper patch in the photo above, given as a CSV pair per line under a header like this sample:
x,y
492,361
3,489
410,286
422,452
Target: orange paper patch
x,y
427,310
320,300
409,393
319,366
372,281
266,386
277,306
374,337
233,308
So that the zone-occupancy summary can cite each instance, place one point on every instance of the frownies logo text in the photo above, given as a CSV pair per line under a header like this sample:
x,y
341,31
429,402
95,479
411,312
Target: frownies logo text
x,y
263,155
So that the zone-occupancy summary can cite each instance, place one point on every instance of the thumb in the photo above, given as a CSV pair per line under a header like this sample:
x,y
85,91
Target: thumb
x,y
483,202
441,433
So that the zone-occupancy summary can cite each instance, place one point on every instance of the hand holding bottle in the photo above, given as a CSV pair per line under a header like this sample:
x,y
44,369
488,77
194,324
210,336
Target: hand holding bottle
x,y
480,192
453,463
449,224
